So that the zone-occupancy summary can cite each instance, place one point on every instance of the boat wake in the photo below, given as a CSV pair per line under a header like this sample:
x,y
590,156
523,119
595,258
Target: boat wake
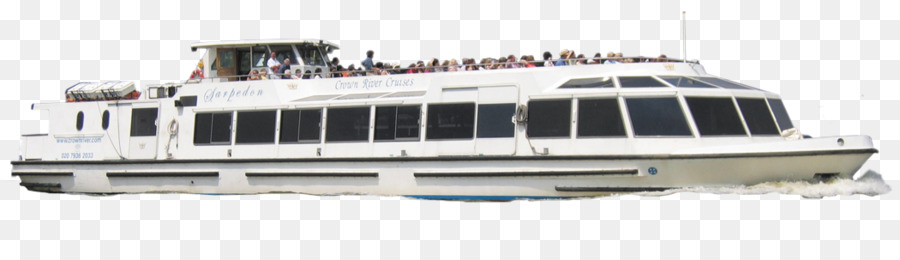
x,y
870,184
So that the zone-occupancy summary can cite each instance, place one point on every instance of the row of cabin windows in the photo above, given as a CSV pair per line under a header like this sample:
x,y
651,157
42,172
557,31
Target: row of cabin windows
x,y
654,82
392,123
662,116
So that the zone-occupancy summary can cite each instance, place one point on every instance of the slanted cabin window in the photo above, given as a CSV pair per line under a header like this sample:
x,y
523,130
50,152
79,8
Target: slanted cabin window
x,y
715,116
600,118
640,82
495,120
104,120
657,117
605,82
756,114
347,124
301,125
397,122
143,121
79,121
212,128
451,121
255,127
685,82
781,115
725,83
549,118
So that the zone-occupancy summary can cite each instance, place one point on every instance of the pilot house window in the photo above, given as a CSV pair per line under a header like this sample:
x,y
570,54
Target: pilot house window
x,y
143,121
756,114
781,115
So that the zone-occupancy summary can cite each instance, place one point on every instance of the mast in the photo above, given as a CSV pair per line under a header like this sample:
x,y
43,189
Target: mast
x,y
683,37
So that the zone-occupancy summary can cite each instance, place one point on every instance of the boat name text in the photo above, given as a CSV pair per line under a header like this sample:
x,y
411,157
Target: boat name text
x,y
373,83
216,94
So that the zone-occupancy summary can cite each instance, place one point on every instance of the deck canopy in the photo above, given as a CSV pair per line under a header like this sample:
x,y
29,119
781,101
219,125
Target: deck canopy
x,y
249,43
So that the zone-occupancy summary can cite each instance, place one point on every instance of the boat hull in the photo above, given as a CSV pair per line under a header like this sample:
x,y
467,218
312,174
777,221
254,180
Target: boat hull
x,y
441,177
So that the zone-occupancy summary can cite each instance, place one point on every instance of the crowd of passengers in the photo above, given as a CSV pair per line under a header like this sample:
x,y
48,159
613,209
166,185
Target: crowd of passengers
x,y
369,67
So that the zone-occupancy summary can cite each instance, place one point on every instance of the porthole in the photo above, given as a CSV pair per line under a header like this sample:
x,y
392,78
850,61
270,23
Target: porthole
x,y
105,120
79,121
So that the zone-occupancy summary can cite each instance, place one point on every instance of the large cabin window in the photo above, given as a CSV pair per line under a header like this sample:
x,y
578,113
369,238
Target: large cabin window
x,y
397,122
725,83
451,121
781,115
311,55
549,118
143,121
657,117
347,124
685,82
212,128
301,125
756,114
640,82
255,127
605,82
600,118
715,116
495,120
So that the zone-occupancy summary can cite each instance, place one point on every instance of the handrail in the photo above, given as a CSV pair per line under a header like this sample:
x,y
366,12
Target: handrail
x,y
461,67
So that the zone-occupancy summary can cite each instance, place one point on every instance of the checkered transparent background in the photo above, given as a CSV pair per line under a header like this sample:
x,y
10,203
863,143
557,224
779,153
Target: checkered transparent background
x,y
835,63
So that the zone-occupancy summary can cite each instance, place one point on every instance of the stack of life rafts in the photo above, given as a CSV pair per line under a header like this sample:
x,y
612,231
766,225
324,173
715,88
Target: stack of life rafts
x,y
107,90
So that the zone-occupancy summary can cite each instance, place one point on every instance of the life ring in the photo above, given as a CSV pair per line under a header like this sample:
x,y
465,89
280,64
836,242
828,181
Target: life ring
x,y
173,127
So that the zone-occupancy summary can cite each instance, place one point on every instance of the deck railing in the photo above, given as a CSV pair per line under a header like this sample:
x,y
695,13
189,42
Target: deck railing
x,y
459,67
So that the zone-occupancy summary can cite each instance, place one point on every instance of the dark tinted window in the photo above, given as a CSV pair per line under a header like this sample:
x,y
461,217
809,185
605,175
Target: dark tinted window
x,y
300,125
551,118
347,124
393,123
600,117
104,119
725,83
781,115
685,82
639,82
657,117
143,121
212,128
715,116
451,121
590,83
79,121
756,114
255,127
495,120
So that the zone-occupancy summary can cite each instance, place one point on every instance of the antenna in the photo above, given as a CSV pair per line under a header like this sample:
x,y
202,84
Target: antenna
x,y
683,37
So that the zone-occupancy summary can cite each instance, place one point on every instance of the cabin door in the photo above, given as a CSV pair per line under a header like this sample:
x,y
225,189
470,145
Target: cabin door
x,y
226,64
495,129
144,131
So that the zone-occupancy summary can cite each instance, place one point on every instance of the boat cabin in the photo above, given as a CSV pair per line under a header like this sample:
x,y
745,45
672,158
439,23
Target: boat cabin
x,y
233,60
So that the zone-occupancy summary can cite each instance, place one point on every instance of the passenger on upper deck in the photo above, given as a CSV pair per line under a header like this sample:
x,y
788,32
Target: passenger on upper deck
x,y
254,75
296,74
318,74
273,62
263,74
611,58
511,62
367,63
198,71
286,66
548,59
563,55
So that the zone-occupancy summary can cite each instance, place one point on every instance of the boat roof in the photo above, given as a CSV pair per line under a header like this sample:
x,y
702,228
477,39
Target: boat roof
x,y
242,43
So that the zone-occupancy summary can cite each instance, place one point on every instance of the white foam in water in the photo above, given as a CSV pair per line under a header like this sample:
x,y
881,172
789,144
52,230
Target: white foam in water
x,y
870,184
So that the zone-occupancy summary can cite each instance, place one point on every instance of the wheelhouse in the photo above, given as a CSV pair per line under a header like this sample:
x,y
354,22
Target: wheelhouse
x,y
233,60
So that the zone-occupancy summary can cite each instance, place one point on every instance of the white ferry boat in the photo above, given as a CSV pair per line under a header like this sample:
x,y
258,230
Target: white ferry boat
x,y
547,132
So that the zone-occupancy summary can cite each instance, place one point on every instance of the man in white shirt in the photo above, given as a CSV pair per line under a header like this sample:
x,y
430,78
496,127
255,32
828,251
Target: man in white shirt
x,y
273,62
